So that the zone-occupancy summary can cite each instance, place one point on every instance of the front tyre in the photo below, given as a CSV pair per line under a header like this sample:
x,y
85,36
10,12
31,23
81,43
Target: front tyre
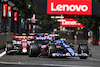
x,y
83,48
51,49
33,50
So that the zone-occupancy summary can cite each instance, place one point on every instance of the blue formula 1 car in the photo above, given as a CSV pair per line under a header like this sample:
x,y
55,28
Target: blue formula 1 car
x,y
59,48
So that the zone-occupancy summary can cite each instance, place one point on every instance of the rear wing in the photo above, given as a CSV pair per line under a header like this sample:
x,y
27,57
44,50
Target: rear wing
x,y
23,37
43,38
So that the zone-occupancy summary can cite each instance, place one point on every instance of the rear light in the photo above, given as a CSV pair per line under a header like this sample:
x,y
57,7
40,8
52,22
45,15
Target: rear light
x,y
14,36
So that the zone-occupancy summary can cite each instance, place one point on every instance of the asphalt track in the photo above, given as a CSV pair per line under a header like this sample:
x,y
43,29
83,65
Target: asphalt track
x,y
26,61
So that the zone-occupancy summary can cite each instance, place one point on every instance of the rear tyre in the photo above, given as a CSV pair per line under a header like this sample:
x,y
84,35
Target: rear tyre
x,y
83,48
51,49
33,50
9,46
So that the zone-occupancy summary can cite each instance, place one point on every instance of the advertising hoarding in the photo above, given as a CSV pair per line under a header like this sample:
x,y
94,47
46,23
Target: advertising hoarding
x,y
9,11
4,10
70,22
70,7
15,16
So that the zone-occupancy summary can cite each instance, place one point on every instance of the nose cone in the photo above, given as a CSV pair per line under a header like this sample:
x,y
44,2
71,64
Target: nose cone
x,y
24,50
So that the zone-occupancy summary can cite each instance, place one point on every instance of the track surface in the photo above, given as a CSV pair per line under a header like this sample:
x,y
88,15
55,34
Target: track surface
x,y
26,61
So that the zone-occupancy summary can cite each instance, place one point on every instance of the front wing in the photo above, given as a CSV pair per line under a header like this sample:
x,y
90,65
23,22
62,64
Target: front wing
x,y
68,55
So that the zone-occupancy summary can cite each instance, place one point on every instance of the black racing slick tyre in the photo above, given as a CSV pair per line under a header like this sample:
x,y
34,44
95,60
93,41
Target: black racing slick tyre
x,y
83,48
33,50
9,46
51,49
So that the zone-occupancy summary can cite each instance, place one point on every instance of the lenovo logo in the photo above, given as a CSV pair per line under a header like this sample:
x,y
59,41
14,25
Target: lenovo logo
x,y
73,7
66,7
70,23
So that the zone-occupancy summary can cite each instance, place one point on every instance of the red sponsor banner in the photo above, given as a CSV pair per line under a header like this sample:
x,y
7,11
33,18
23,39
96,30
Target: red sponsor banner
x,y
33,21
9,11
71,7
15,16
33,17
9,8
4,9
70,23
29,26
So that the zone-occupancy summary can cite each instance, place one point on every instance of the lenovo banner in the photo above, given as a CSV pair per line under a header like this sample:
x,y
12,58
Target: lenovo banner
x,y
15,16
4,10
70,7
70,23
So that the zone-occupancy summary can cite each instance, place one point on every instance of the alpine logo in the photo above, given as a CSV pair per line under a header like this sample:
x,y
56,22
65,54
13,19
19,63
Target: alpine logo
x,y
71,7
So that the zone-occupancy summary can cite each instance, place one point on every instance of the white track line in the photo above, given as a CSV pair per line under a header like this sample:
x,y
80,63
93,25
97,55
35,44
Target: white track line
x,y
64,65
53,65
3,53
